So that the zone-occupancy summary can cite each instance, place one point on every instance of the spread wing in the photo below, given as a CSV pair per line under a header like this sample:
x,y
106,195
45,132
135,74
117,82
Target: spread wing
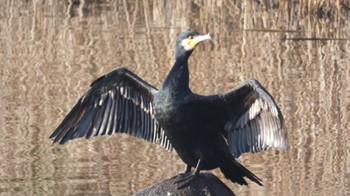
x,y
118,102
252,120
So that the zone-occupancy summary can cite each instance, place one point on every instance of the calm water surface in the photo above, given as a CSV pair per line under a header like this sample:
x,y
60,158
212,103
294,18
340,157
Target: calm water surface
x,y
50,51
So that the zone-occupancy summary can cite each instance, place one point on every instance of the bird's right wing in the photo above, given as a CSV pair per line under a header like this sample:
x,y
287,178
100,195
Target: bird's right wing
x,y
254,120
118,102
250,119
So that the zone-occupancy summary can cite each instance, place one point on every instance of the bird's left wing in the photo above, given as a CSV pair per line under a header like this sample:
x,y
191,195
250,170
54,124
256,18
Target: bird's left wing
x,y
251,120
118,102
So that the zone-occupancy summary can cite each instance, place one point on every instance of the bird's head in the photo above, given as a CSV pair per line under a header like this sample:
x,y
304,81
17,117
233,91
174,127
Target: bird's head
x,y
187,42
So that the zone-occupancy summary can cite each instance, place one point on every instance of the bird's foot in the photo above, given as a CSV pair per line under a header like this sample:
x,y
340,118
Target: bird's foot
x,y
184,179
180,175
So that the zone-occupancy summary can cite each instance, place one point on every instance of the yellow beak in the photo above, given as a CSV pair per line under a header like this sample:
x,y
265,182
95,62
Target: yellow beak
x,y
199,38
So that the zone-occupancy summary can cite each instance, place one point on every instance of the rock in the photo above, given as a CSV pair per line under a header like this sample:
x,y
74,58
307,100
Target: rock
x,y
206,184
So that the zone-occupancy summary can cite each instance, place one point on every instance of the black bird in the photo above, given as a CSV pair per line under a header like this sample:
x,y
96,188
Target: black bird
x,y
206,131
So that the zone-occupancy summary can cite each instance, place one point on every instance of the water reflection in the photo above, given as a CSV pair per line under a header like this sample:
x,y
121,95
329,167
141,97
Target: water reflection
x,y
51,51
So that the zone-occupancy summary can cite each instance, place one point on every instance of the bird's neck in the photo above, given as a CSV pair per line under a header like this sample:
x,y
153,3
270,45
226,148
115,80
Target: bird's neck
x,y
177,81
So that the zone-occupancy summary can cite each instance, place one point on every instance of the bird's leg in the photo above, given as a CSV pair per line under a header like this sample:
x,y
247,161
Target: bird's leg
x,y
190,177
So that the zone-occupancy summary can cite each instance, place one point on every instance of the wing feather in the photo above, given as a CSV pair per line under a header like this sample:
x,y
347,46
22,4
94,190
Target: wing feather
x,y
118,102
252,120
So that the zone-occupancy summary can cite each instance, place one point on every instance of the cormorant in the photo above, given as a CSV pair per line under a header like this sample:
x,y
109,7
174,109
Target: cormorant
x,y
207,132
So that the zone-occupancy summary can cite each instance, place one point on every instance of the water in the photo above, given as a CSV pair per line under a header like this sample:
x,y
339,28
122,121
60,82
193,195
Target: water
x,y
50,51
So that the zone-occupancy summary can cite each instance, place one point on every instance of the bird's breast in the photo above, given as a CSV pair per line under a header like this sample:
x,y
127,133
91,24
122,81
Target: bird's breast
x,y
165,110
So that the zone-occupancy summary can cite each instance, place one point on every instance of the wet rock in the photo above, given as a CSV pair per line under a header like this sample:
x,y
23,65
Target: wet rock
x,y
206,184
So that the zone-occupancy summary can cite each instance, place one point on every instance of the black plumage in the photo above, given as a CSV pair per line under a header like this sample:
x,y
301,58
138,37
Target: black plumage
x,y
206,131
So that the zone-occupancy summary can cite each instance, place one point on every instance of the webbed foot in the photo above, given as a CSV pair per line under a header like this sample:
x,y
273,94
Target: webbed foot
x,y
184,179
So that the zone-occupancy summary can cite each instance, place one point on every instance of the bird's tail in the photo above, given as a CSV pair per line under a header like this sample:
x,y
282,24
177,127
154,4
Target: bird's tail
x,y
234,171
